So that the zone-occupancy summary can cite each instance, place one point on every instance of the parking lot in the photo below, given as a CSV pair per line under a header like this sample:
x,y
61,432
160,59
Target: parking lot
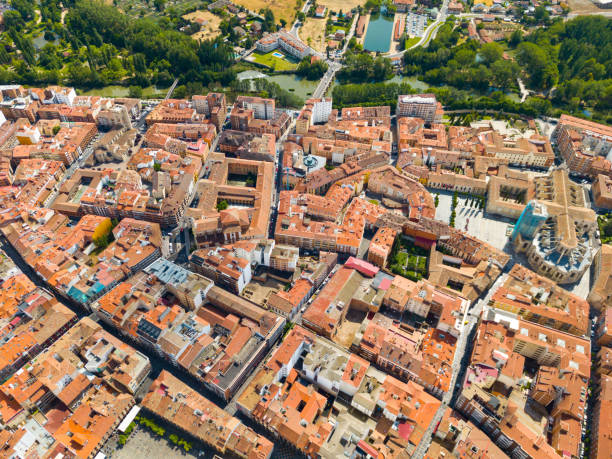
x,y
415,24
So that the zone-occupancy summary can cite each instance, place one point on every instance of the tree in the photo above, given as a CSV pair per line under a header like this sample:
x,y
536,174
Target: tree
x,y
504,73
25,8
541,15
56,129
12,18
312,70
49,58
542,70
139,62
516,38
159,4
491,52
180,92
363,68
102,241
222,205
269,23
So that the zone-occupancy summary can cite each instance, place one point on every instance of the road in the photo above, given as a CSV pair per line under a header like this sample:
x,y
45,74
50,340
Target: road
x,y
297,24
351,32
333,67
523,89
171,90
461,360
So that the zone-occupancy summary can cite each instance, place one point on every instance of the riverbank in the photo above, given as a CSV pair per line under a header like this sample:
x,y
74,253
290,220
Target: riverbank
x,y
150,92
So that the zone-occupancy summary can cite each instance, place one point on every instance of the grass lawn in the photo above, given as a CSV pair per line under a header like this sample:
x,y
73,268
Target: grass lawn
x,y
335,28
411,42
275,62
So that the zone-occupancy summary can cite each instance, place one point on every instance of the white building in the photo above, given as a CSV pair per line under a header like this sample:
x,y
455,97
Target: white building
x,y
263,109
285,41
321,110
418,105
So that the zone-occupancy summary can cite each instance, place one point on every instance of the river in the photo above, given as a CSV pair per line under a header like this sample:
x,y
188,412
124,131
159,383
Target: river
x,y
412,81
289,81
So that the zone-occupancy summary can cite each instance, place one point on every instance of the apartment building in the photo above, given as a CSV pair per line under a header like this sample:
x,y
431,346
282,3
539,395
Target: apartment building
x,y
284,41
263,109
600,296
381,245
173,111
116,116
582,142
602,191
222,266
534,151
424,106
340,374
172,401
213,106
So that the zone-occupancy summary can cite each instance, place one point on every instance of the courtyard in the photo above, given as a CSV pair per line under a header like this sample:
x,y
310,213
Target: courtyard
x,y
258,292
408,260
350,326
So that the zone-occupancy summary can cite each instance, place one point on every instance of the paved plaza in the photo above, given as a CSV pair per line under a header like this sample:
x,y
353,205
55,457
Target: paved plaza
x,y
472,220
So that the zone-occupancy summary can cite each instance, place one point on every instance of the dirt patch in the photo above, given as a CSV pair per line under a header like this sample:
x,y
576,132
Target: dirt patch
x,y
349,327
344,5
583,7
210,24
282,9
313,33
258,292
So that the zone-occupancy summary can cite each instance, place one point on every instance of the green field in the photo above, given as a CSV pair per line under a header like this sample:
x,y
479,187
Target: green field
x,y
411,42
335,28
274,62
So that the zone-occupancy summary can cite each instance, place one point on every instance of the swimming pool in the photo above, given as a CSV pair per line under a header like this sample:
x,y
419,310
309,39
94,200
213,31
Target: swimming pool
x,y
277,54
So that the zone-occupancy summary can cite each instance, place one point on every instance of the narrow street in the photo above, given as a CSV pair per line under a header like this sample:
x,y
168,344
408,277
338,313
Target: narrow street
x,y
461,361
281,450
